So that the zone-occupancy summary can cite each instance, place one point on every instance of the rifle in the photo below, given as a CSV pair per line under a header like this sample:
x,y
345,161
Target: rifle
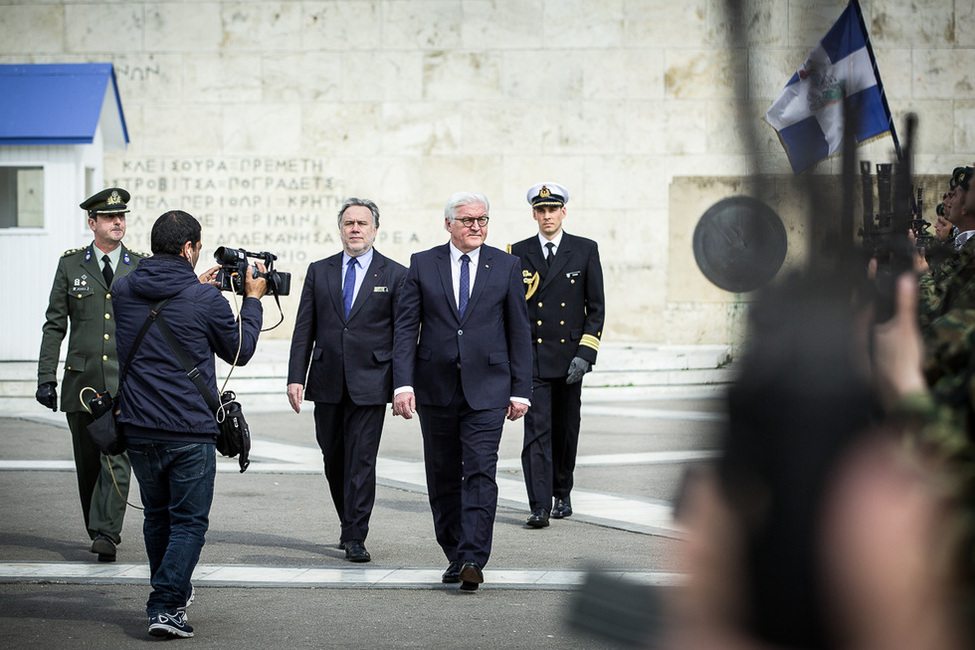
x,y
884,234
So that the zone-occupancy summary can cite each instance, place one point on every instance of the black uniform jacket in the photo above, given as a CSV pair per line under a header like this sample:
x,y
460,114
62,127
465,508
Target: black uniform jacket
x,y
565,302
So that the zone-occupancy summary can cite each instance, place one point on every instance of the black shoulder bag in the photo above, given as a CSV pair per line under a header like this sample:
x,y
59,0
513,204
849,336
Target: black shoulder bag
x,y
235,437
104,430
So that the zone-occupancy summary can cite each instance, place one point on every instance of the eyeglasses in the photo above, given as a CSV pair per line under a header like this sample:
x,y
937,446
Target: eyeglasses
x,y
469,221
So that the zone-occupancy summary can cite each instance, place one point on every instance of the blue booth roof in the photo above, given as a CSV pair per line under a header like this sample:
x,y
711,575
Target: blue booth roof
x,y
49,104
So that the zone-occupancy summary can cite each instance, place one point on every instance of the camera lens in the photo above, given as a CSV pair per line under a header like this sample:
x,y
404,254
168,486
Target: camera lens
x,y
224,255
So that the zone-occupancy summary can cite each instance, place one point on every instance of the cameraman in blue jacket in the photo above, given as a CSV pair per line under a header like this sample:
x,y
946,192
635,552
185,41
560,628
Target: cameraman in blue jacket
x,y
170,430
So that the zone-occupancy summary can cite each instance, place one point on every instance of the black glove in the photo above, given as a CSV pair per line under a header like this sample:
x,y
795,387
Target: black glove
x,y
47,395
577,369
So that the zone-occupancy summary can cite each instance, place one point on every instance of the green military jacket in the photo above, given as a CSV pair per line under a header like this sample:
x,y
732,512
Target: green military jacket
x,y
80,298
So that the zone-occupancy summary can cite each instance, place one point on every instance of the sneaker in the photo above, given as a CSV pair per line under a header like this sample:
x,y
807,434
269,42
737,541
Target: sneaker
x,y
190,599
170,625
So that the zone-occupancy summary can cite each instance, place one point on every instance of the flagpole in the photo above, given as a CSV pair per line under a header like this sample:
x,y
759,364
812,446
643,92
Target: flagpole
x,y
880,83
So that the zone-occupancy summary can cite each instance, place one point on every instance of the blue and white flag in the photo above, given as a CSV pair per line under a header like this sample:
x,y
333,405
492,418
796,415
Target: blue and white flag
x,y
808,115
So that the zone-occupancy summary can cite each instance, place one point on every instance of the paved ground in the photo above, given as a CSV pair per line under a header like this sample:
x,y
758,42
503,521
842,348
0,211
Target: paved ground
x,y
271,575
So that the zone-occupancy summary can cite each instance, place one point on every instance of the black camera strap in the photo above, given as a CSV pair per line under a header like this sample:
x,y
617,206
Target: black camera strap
x,y
153,314
191,370
280,311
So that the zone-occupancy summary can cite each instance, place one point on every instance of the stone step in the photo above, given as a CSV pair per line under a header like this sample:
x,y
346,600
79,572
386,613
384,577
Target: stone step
x,y
623,372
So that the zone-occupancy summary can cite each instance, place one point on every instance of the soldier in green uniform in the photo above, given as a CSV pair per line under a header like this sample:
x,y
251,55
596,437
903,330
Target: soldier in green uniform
x,y
564,289
943,288
81,296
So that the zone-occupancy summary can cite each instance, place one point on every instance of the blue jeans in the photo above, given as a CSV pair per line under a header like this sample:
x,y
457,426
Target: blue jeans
x,y
176,483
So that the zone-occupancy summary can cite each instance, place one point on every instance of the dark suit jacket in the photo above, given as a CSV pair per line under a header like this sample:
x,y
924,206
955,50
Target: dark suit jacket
x,y
565,302
488,350
357,353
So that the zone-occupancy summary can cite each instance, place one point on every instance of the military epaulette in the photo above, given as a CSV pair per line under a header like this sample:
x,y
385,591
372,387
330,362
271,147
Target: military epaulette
x,y
139,253
507,249
73,250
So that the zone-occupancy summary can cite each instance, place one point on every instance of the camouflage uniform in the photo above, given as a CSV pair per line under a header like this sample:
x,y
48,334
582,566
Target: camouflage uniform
x,y
947,287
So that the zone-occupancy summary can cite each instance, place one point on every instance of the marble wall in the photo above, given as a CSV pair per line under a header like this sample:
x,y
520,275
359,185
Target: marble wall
x,y
260,117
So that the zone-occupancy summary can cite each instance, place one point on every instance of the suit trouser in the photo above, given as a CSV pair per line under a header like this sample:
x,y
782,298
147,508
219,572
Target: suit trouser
x,y
460,452
101,504
548,457
348,435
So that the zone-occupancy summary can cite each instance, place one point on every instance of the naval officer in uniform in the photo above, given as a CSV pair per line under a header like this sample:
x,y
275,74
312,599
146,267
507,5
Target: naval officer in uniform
x,y
564,290
81,297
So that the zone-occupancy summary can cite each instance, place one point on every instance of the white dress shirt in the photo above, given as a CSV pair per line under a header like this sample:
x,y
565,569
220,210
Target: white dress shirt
x,y
557,240
455,263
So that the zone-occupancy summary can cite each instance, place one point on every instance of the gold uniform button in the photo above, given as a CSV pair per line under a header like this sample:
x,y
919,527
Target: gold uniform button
x,y
563,304
539,304
561,322
106,337
108,316
539,341
563,341
79,295
539,322
104,357
572,281
108,296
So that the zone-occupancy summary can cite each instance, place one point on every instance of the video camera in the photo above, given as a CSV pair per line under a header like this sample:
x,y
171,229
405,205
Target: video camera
x,y
233,266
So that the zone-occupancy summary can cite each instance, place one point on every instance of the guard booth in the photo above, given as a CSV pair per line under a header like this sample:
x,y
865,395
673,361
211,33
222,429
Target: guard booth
x,y
55,122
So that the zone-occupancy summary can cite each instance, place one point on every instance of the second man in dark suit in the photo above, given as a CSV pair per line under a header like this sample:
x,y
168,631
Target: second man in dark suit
x,y
344,329
462,360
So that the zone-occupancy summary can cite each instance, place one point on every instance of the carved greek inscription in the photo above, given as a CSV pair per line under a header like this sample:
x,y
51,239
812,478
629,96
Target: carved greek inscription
x,y
287,206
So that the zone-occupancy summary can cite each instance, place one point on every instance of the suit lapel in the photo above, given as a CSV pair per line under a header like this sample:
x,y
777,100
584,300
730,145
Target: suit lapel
x,y
443,269
537,258
481,279
123,269
369,282
93,267
333,281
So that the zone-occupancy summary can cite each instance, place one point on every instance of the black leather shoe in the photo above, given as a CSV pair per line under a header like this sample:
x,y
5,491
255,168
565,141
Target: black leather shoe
x,y
452,574
471,576
539,519
340,546
562,508
104,547
355,551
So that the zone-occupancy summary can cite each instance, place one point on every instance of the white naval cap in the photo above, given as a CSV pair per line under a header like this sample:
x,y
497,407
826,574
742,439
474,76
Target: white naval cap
x,y
548,194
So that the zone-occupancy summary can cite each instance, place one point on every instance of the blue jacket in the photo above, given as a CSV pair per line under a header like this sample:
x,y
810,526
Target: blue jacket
x,y
159,402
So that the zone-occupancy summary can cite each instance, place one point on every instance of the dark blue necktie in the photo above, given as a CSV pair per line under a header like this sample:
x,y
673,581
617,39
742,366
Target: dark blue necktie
x,y
465,285
349,287
551,253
